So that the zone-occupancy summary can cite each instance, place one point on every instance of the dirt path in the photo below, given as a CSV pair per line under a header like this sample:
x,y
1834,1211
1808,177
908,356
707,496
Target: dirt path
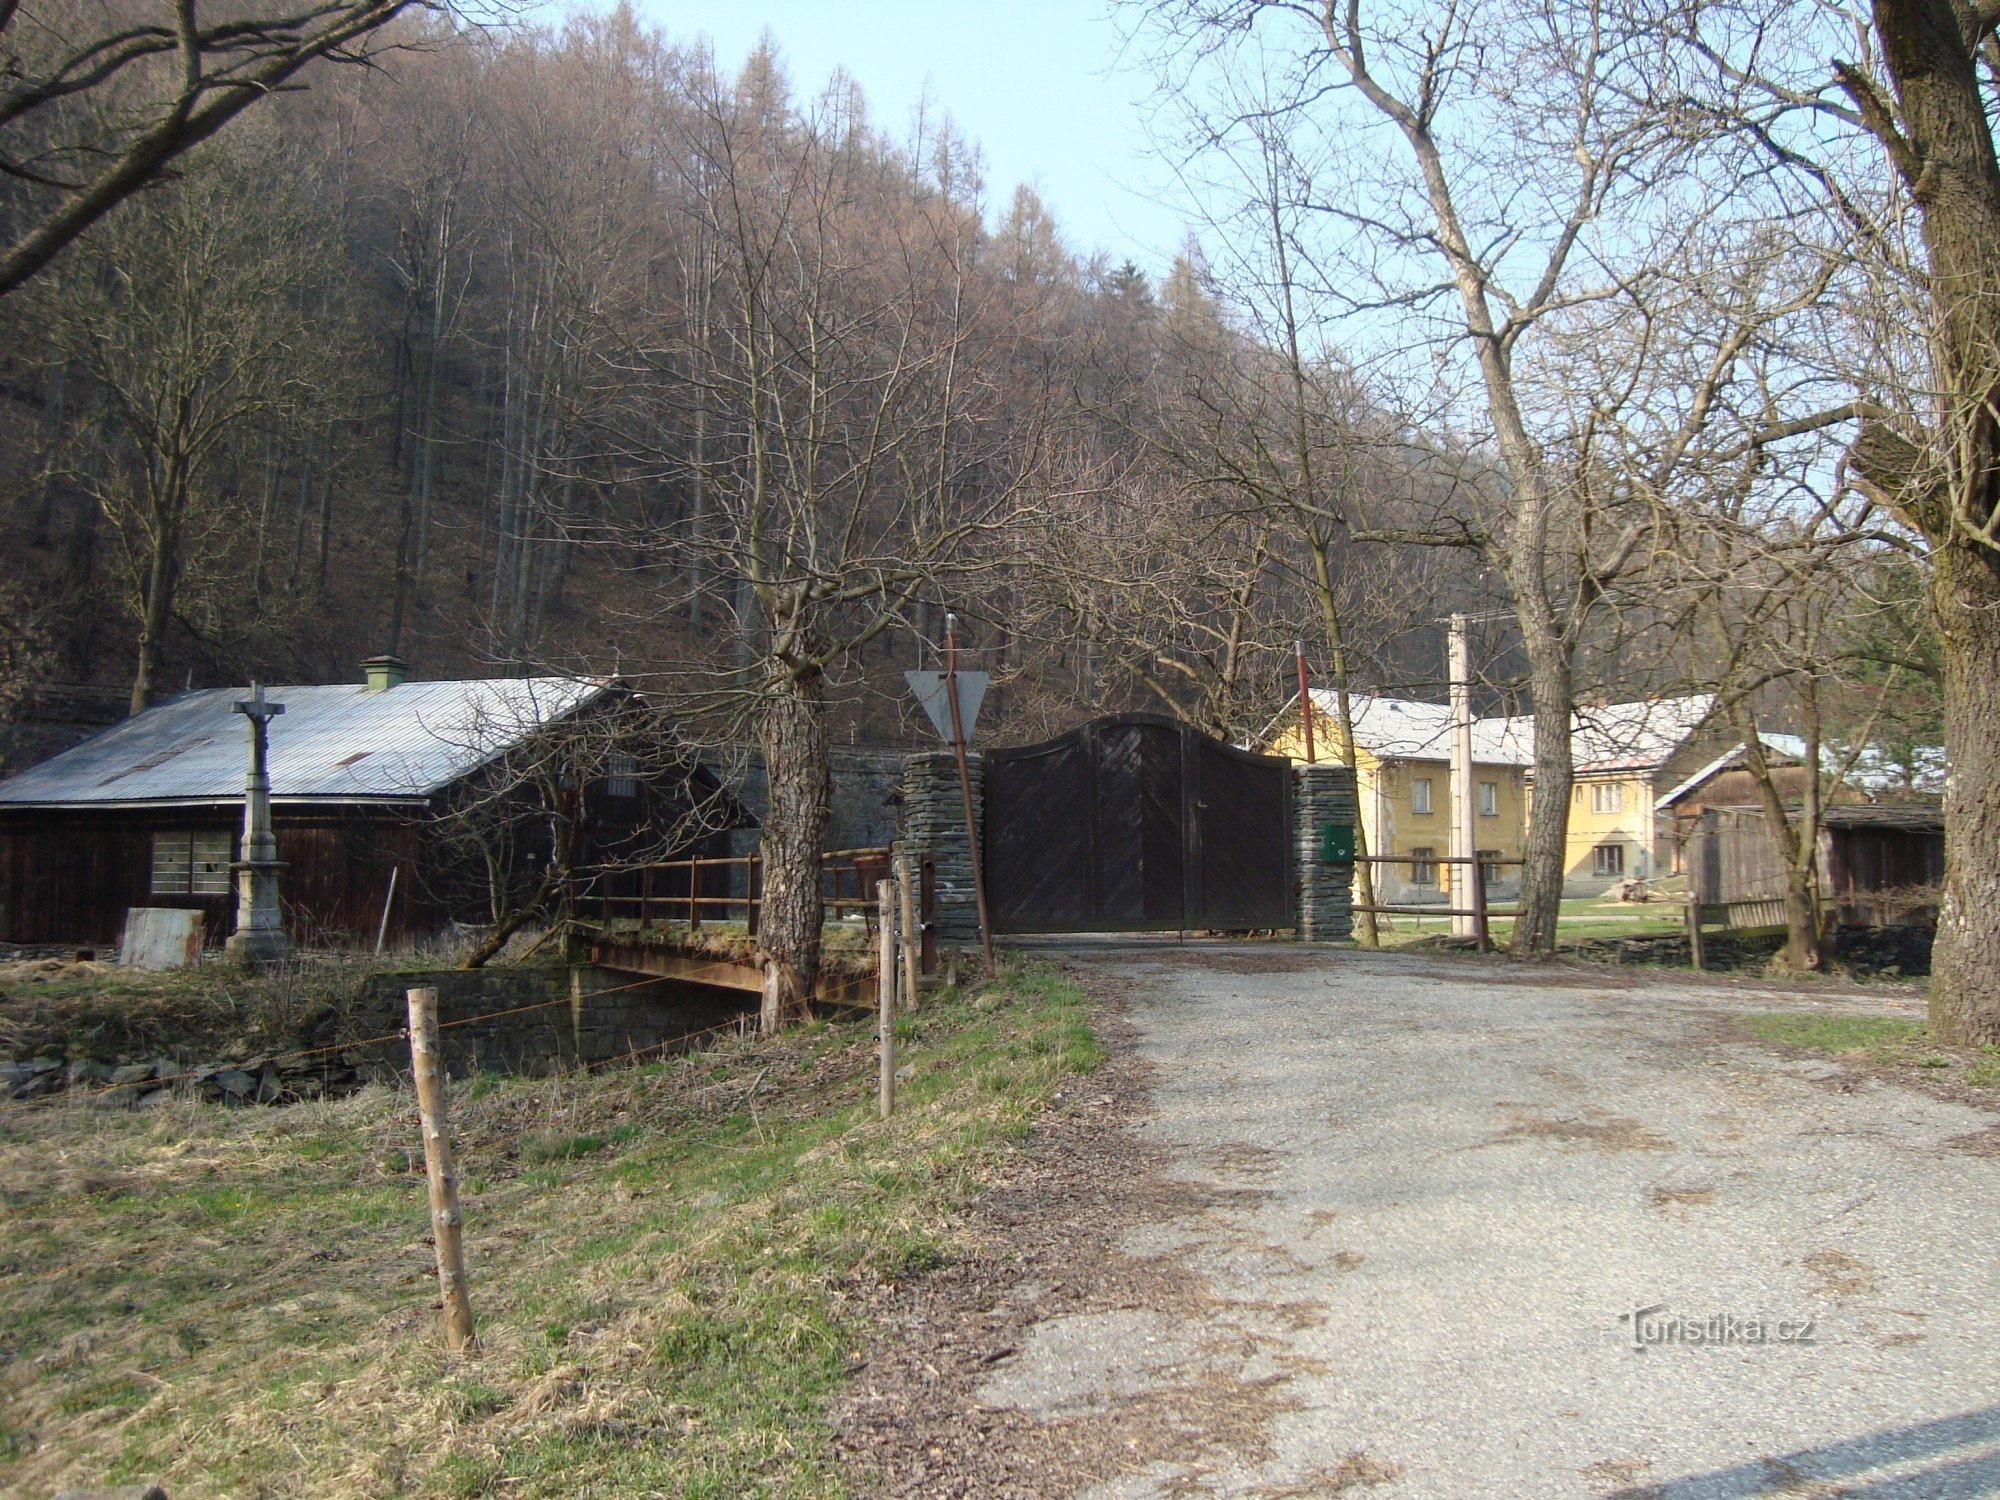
x,y
1349,1222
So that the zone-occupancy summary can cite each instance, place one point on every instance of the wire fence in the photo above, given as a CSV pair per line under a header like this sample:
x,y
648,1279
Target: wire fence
x,y
81,1097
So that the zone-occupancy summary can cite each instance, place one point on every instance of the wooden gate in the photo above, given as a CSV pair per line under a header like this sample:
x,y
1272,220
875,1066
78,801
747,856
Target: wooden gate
x,y
1137,823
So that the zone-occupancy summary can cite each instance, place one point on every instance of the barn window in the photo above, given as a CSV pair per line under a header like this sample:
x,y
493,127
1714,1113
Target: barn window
x,y
1607,797
1420,794
188,863
621,777
1607,859
1422,871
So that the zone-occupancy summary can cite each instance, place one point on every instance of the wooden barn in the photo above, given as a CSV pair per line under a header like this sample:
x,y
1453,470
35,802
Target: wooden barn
x,y
433,802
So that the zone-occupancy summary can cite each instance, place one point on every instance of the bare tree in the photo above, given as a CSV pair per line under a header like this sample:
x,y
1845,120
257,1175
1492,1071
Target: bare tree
x,y
1497,192
190,321
853,455
98,98
1913,81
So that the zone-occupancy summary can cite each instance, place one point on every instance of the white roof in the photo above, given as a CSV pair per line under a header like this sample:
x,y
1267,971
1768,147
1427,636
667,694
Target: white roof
x,y
1874,771
335,743
1622,736
1616,736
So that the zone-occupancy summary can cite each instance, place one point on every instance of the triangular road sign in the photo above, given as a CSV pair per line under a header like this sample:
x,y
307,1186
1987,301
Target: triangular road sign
x,y
929,688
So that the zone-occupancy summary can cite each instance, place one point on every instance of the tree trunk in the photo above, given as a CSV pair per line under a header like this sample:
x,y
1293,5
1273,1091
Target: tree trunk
x,y
1965,968
156,613
1545,852
796,764
1945,155
1802,952
1367,928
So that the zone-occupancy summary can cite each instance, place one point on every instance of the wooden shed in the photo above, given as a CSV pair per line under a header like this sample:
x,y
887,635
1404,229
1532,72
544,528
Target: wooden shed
x,y
430,801
1880,863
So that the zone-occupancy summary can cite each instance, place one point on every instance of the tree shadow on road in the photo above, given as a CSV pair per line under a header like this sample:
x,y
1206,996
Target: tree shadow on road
x,y
1952,1456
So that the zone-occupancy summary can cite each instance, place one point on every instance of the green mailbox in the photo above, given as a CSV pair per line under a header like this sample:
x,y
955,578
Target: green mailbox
x,y
1336,843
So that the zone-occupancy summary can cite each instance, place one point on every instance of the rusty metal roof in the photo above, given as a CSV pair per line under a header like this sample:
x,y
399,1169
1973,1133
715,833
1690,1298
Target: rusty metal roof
x,y
336,743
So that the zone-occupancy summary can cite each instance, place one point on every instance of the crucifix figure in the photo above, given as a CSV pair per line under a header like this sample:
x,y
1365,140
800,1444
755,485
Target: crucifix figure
x,y
260,927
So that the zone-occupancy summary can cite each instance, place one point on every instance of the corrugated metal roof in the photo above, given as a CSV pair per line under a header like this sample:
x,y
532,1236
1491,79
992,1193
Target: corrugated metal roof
x,y
330,744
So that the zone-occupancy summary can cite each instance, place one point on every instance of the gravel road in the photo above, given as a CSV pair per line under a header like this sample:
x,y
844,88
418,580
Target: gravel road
x,y
1433,1192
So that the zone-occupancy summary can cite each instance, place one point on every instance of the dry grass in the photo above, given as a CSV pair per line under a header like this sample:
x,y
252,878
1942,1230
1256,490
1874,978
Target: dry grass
x,y
63,1007
670,1267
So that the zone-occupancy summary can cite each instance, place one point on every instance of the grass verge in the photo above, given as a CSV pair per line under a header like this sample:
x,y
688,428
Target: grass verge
x,y
1878,1036
1896,1047
670,1265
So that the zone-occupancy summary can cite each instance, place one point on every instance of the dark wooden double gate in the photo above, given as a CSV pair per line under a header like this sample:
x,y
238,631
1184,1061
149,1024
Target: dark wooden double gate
x,y
1137,823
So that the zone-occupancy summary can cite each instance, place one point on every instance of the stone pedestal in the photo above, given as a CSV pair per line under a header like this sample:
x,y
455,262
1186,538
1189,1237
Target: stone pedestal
x,y
933,828
1321,795
260,935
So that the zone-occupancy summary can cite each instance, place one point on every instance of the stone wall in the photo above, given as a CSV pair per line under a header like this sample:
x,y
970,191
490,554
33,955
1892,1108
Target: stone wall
x,y
933,828
862,810
1322,795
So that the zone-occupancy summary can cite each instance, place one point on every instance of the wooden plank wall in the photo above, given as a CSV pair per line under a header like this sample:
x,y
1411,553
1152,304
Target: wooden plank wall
x,y
69,877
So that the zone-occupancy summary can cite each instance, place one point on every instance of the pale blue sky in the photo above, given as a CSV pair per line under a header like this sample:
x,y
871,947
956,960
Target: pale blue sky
x,y
1038,84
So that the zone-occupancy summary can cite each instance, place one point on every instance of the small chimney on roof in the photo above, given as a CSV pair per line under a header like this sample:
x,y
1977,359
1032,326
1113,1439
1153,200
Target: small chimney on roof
x,y
384,672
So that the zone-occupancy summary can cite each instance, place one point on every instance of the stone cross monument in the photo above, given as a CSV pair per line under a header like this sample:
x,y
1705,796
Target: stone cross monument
x,y
260,927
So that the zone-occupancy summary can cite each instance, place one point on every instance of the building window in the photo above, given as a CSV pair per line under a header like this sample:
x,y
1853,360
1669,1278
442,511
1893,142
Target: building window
x,y
1489,799
1608,859
1420,795
1607,796
1422,871
192,864
621,777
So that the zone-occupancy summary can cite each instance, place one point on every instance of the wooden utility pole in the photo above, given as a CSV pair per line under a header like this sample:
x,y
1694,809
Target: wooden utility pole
x,y
1463,834
885,991
906,902
965,787
426,1060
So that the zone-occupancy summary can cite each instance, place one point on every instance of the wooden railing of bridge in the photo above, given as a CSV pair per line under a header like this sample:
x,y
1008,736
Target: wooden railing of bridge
x,y
690,892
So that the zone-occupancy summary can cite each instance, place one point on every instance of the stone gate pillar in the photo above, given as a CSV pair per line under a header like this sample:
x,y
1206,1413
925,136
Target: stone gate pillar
x,y
1323,795
933,828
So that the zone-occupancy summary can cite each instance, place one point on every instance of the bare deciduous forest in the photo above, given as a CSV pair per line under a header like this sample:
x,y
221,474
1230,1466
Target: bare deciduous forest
x,y
551,347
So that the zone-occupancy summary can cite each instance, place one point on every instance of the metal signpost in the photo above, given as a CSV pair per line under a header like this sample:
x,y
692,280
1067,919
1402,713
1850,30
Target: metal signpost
x,y
1305,702
952,700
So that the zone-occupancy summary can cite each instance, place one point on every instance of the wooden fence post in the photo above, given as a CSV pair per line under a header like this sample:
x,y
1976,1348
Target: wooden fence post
x,y
906,901
1482,938
427,1065
885,991
1695,955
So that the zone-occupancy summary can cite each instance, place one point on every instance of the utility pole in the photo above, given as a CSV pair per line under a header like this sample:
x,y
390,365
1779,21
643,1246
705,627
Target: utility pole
x,y
1463,837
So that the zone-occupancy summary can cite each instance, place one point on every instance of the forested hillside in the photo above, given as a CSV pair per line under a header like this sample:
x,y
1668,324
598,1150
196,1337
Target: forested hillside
x,y
458,357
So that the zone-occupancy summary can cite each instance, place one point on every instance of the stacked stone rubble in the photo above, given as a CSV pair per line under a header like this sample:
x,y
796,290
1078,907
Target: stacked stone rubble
x,y
934,829
1322,795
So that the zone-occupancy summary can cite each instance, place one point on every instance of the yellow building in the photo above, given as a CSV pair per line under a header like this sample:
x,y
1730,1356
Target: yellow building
x,y
1402,765
1627,755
